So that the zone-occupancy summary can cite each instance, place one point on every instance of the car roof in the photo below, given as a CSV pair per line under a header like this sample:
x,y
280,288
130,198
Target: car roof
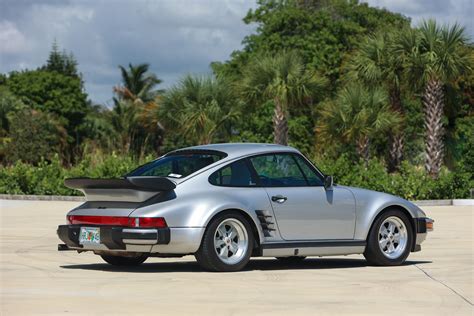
x,y
235,150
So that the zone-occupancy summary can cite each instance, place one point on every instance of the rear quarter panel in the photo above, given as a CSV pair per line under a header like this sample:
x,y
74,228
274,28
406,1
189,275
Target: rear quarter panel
x,y
197,202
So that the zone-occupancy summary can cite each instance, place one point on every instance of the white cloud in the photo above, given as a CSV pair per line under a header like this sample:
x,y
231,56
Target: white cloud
x,y
443,11
175,37
13,41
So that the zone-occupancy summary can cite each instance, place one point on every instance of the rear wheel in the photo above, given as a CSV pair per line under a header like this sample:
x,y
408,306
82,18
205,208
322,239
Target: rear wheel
x,y
125,261
390,239
227,243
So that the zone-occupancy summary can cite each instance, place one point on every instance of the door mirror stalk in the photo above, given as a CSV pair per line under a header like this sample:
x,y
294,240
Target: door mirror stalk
x,y
328,182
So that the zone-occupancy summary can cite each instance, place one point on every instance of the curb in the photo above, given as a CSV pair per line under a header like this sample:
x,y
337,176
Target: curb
x,y
454,202
21,197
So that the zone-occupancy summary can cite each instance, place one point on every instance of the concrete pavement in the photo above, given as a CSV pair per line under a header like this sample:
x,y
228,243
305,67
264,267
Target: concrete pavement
x,y
38,280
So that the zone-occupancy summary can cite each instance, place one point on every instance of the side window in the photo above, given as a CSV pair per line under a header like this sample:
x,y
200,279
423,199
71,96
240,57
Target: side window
x,y
313,178
278,170
236,174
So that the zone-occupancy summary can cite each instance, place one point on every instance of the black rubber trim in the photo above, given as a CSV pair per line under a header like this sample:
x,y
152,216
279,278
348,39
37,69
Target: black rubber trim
x,y
140,235
164,236
421,225
112,236
197,152
69,234
310,244
64,247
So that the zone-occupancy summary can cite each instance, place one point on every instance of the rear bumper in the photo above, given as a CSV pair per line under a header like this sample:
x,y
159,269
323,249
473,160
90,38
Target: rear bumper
x,y
167,240
116,237
423,226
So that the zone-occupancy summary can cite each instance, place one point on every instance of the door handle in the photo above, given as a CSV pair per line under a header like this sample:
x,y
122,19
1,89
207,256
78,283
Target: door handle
x,y
279,198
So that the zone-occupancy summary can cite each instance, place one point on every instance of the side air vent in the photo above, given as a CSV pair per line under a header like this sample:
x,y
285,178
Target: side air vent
x,y
266,221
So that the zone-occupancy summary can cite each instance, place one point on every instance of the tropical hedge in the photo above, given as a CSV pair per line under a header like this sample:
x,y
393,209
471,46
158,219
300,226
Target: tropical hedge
x,y
410,182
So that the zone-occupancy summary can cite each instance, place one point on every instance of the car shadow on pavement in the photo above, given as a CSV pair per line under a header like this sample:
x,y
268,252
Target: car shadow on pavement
x,y
255,264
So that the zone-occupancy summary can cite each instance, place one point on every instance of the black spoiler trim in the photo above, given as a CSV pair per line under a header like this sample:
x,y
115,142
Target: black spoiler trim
x,y
151,184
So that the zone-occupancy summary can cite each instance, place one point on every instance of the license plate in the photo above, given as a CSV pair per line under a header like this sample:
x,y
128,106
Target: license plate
x,y
89,235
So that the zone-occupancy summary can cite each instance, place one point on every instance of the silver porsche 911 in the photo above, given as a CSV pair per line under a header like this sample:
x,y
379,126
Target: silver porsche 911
x,y
225,203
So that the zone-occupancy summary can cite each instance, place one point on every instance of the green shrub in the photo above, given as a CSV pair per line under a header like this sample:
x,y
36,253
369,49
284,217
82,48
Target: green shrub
x,y
47,178
411,182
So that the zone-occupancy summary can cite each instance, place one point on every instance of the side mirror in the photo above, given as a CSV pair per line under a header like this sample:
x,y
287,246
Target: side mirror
x,y
328,182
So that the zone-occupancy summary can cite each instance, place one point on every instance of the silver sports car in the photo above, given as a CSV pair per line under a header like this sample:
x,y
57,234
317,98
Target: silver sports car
x,y
225,203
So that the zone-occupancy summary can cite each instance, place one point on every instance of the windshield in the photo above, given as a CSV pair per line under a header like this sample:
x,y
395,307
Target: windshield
x,y
177,165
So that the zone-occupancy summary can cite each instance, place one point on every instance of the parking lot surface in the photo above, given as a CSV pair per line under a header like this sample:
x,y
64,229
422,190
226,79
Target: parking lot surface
x,y
36,279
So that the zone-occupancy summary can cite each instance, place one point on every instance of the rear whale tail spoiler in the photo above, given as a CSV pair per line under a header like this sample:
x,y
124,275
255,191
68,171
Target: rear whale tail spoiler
x,y
152,184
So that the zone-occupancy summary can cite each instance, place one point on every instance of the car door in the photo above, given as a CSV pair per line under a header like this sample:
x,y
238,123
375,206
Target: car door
x,y
303,208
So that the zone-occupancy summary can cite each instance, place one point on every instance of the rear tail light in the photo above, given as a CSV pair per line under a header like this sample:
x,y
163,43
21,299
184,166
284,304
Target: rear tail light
x,y
155,222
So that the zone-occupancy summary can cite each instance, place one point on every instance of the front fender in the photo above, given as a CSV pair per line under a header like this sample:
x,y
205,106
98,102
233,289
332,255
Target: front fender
x,y
369,204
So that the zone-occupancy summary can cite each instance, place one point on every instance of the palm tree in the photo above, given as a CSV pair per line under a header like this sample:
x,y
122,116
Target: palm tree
x,y
199,107
135,107
124,119
434,56
137,83
355,117
283,79
377,64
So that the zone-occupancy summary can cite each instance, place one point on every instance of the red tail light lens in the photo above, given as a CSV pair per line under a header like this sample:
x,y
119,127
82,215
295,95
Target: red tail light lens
x,y
156,222
98,220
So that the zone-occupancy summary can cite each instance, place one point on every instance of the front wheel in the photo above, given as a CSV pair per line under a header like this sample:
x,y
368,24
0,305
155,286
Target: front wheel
x,y
390,239
125,261
227,243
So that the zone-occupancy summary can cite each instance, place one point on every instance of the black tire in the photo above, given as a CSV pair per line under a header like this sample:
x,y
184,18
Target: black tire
x,y
125,261
291,260
207,256
373,254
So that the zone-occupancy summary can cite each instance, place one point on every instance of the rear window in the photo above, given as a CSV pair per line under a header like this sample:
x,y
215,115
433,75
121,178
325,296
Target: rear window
x,y
178,164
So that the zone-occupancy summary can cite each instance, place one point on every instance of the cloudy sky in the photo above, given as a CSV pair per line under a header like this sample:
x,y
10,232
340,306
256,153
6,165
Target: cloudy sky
x,y
175,36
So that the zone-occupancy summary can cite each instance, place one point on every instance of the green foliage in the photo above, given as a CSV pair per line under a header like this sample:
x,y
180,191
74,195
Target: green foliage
x,y
138,84
8,103
200,110
355,117
282,78
410,182
50,92
321,31
440,53
294,81
286,81
61,62
34,135
46,178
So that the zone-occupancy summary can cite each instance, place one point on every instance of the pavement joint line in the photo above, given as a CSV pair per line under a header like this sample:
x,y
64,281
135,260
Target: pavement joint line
x,y
445,285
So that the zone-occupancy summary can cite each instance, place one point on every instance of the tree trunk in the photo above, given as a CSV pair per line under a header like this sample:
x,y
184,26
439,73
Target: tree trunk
x,y
280,125
363,149
396,141
433,99
395,152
